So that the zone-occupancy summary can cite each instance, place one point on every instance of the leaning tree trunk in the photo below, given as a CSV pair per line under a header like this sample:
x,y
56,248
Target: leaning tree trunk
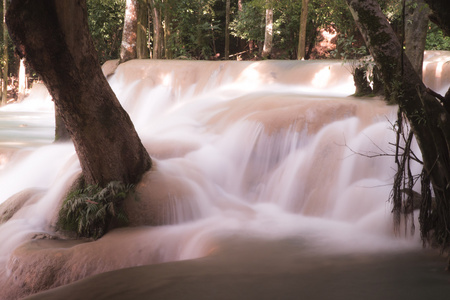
x,y
53,36
428,118
5,58
61,132
129,35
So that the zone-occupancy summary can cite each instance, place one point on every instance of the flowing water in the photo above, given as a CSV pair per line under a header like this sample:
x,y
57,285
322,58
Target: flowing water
x,y
262,188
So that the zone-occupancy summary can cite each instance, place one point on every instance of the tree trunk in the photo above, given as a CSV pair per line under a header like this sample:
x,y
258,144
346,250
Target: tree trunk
x,y
61,132
268,35
157,30
54,38
302,34
5,57
142,50
168,29
428,119
129,36
440,14
361,83
150,29
227,33
22,80
416,27
243,43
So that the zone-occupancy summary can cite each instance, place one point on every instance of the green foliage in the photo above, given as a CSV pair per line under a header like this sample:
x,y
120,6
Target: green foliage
x,y
357,61
336,13
348,49
90,211
392,9
105,19
352,54
286,27
195,28
436,39
13,60
249,23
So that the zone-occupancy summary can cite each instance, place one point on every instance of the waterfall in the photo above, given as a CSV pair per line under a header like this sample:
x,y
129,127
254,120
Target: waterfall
x,y
270,150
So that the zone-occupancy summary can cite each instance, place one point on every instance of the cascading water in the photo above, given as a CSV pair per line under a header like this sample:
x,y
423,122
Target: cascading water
x,y
250,157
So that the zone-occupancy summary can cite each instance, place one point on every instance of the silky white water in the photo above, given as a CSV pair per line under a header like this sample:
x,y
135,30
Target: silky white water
x,y
269,151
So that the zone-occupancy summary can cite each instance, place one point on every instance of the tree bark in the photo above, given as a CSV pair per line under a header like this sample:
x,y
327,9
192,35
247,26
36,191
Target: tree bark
x,y
440,14
428,119
168,52
227,33
54,38
5,57
22,80
157,30
302,33
361,83
416,27
61,132
268,35
142,50
129,35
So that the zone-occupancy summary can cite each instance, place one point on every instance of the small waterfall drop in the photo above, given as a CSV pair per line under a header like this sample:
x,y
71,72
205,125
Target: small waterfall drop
x,y
260,150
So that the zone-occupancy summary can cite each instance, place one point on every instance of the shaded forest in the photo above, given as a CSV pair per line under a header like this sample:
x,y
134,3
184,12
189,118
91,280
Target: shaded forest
x,y
197,29
233,29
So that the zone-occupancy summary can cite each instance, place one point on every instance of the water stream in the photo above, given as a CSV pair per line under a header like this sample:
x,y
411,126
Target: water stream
x,y
258,182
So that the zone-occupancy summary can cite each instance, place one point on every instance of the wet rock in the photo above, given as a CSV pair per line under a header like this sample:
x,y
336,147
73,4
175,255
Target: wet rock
x,y
12,205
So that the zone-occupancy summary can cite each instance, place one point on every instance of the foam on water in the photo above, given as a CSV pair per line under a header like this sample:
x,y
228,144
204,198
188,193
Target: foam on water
x,y
267,150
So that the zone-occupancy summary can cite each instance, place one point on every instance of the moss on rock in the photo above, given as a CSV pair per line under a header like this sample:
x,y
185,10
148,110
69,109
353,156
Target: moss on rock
x,y
92,210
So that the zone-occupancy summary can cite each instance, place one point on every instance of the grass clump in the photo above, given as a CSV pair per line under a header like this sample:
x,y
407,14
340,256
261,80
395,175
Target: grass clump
x,y
92,210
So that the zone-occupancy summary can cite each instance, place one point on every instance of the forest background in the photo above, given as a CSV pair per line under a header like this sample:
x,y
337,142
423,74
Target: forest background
x,y
229,29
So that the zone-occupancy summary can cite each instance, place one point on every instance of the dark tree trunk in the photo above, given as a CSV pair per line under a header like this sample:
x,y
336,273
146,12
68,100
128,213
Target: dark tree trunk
x,y
53,36
129,35
428,119
168,7
227,33
61,132
5,58
142,50
440,14
416,28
